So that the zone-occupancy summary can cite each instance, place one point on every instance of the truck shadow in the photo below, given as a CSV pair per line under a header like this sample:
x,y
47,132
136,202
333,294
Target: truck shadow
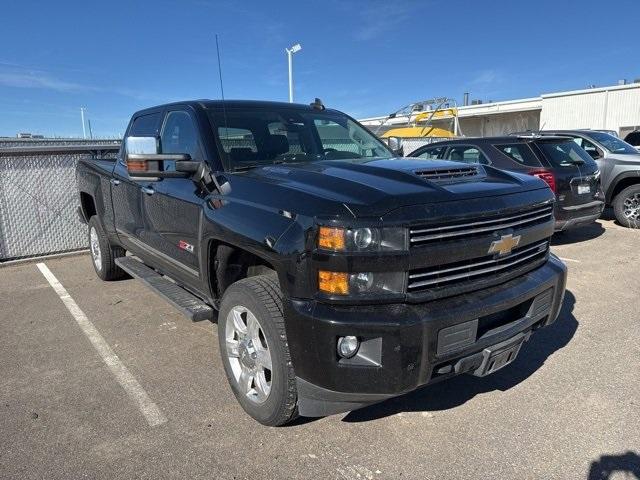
x,y
458,390
607,467
578,234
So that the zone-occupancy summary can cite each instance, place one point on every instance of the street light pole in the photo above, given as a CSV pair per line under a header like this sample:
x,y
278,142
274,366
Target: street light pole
x,y
290,52
84,131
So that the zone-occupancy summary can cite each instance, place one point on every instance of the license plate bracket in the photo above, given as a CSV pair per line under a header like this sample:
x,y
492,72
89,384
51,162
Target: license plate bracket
x,y
499,356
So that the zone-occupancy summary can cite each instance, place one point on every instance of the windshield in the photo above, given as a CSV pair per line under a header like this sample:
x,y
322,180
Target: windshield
x,y
611,143
564,153
251,138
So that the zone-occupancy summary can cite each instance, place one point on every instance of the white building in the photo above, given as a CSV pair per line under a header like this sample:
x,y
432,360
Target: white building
x,y
608,108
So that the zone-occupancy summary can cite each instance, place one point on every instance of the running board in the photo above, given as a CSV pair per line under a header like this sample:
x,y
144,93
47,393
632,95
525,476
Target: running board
x,y
190,305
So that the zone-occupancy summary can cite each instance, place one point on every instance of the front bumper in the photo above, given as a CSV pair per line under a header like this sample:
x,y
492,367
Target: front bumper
x,y
576,215
410,345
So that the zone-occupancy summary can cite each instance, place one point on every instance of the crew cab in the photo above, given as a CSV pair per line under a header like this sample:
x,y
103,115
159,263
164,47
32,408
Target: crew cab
x,y
341,275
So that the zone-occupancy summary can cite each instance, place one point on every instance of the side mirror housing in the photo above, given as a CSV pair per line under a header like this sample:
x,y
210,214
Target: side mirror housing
x,y
395,144
145,162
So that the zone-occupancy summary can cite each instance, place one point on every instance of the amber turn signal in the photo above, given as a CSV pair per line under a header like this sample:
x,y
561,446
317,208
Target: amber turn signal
x,y
331,238
135,166
335,283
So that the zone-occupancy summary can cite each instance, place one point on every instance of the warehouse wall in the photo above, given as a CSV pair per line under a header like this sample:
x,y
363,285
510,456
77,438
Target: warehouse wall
x,y
500,124
613,108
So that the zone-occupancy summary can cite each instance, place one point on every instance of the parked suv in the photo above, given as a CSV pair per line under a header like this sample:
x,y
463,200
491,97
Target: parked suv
x,y
342,276
619,165
568,169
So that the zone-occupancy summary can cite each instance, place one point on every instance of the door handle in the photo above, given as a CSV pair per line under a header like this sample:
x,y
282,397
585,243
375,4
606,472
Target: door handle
x,y
115,182
148,190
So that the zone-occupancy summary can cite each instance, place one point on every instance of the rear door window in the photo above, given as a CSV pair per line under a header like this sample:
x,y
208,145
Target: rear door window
x,y
466,154
146,125
519,153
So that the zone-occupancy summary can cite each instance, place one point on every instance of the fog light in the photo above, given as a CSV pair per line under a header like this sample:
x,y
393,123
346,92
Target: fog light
x,y
348,346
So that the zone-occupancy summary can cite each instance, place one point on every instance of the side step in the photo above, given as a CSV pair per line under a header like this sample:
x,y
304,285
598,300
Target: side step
x,y
188,304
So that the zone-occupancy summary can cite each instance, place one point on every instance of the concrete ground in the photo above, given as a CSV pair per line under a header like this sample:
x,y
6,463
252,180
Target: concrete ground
x,y
567,408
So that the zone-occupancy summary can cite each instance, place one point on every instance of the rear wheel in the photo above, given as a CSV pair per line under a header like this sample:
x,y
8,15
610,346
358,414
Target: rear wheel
x,y
626,206
255,352
103,254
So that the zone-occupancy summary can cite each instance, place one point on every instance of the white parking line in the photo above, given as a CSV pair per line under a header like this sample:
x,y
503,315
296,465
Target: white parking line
x,y
150,410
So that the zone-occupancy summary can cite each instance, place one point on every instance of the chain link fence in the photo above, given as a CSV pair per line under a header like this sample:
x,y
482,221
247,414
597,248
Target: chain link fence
x,y
38,195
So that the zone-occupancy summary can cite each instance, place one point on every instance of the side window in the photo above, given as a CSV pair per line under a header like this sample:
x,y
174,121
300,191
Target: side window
x,y
431,153
145,125
519,153
590,148
179,135
466,154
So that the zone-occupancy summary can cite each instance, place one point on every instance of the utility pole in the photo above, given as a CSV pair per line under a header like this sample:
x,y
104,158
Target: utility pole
x,y
84,131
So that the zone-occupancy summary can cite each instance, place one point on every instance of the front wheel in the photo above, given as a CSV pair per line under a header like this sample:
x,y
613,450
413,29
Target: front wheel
x,y
255,352
626,206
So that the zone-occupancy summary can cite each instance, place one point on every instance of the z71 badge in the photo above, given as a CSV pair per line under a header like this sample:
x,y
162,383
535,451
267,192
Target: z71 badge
x,y
185,246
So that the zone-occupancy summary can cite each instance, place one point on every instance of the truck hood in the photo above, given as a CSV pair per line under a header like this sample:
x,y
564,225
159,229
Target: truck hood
x,y
372,187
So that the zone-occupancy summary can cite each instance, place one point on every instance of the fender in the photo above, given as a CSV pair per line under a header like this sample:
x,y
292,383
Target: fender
x,y
253,228
615,182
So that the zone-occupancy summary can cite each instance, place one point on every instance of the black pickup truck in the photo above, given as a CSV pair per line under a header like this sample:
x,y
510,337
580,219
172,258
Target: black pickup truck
x,y
341,274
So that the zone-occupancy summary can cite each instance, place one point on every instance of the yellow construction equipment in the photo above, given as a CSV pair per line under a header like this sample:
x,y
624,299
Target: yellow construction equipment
x,y
419,119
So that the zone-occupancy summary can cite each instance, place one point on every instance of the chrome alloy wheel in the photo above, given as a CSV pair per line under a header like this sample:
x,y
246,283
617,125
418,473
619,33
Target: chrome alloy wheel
x,y
248,354
631,207
95,248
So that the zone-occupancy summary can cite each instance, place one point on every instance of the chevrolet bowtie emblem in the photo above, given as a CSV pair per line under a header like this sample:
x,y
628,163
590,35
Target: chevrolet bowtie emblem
x,y
504,245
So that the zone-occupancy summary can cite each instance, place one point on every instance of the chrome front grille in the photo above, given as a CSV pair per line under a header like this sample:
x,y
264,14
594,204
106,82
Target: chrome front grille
x,y
458,272
461,230
446,174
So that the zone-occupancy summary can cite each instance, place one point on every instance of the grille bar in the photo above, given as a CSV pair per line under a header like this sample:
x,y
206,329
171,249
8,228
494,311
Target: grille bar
x,y
466,271
418,235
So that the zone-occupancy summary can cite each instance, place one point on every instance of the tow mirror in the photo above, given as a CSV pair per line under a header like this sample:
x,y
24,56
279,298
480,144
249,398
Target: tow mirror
x,y
144,160
395,144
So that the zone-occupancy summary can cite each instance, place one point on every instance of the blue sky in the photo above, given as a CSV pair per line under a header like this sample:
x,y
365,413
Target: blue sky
x,y
363,57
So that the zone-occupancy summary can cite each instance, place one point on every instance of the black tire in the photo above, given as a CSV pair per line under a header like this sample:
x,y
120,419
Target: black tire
x,y
105,266
626,195
261,295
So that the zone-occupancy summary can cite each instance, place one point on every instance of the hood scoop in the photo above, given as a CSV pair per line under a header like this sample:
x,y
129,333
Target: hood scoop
x,y
449,175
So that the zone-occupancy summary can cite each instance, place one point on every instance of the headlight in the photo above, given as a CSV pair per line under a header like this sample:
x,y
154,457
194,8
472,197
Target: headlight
x,y
361,283
366,239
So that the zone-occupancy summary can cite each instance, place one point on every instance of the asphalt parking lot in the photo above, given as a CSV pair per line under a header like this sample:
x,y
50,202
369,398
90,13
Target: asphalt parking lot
x,y
156,404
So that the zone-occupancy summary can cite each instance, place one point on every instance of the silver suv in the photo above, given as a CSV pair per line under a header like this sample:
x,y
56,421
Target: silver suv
x,y
619,165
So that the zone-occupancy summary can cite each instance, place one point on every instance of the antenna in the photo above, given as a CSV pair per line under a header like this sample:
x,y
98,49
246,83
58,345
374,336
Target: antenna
x,y
224,109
